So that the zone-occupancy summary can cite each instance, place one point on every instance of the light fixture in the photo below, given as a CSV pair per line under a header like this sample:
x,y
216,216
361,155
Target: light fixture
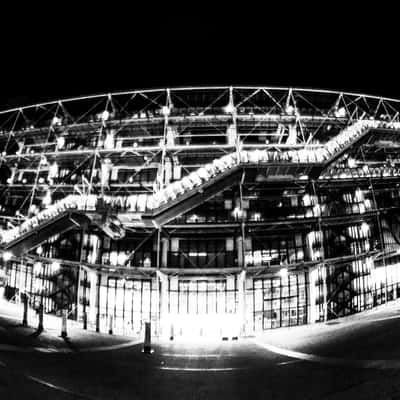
x,y
105,115
237,212
165,110
364,228
340,112
47,199
37,267
351,162
56,121
147,262
121,258
289,110
283,272
7,255
307,200
53,170
60,142
39,250
55,266
229,108
256,216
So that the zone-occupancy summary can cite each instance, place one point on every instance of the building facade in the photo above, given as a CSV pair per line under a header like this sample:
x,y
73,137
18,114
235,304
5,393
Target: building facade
x,y
206,211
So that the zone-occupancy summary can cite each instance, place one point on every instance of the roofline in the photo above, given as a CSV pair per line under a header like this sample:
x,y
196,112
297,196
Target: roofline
x,y
189,88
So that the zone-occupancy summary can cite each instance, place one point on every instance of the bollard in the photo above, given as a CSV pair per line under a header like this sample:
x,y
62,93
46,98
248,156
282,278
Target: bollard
x,y
40,325
64,324
147,338
97,322
171,336
25,316
85,320
110,326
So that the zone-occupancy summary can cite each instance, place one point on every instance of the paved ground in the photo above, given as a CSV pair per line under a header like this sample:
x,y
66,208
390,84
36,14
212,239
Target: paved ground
x,y
13,336
354,358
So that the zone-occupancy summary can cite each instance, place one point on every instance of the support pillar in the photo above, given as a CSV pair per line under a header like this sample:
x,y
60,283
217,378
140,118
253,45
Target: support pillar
x,y
92,297
97,302
164,329
147,338
25,315
40,324
241,281
173,305
111,324
164,252
64,324
240,251
85,320
312,314
324,291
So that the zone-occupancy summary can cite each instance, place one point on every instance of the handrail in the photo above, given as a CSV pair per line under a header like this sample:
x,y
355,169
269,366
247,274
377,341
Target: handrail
x,y
303,156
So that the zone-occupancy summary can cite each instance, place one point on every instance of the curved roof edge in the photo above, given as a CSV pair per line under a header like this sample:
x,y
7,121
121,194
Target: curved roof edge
x,y
189,88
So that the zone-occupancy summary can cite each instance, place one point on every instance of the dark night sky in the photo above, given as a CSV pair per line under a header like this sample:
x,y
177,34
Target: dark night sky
x,y
76,50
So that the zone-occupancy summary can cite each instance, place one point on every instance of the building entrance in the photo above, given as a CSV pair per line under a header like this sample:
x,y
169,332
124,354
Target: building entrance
x,y
203,308
203,326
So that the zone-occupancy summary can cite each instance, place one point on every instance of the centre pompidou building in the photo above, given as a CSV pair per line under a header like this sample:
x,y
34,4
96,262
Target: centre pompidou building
x,y
205,211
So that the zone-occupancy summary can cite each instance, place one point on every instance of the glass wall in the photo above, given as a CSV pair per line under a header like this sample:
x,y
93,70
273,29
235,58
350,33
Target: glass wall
x,y
126,305
202,253
279,301
203,297
202,307
52,285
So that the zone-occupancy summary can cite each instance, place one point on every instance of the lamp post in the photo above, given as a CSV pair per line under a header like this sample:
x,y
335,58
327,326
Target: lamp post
x,y
6,257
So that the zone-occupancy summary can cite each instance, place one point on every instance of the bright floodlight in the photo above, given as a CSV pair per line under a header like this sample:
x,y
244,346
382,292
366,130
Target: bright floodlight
x,y
283,272
237,212
7,256
365,228
55,266
47,199
340,112
165,110
229,108
351,162
56,121
37,267
289,110
60,142
147,262
105,115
